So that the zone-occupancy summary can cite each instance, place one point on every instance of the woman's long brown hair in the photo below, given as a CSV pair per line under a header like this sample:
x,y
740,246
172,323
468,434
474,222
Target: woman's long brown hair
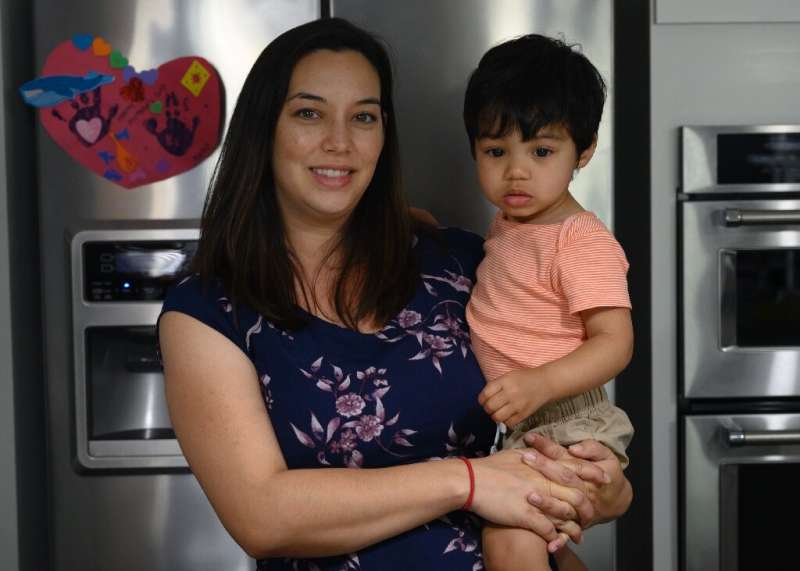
x,y
242,236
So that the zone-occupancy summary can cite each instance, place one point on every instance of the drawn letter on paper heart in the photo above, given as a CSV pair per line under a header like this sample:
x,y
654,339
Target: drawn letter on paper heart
x,y
131,128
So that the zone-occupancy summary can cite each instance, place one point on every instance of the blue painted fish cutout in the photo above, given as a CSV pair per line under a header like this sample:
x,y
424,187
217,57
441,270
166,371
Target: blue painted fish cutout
x,y
53,89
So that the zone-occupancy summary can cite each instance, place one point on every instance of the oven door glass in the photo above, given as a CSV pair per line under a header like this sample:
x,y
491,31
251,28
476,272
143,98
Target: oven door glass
x,y
740,264
738,485
765,300
754,501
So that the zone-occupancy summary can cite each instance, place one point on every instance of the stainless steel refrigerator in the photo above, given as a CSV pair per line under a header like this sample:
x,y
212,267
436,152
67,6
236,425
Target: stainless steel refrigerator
x,y
120,496
436,44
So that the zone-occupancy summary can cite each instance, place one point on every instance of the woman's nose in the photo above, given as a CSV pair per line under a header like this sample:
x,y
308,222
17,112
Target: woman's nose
x,y
337,137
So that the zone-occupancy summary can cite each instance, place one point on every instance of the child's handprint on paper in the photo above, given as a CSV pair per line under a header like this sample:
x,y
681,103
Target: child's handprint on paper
x,y
88,123
176,137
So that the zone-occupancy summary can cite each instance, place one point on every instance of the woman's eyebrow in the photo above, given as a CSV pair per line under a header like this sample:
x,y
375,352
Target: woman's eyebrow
x,y
304,95
369,101
312,97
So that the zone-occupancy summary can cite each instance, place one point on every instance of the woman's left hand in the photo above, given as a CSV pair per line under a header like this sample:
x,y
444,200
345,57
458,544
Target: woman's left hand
x,y
604,484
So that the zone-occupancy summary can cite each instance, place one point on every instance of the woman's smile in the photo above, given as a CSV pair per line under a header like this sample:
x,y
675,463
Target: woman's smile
x,y
332,177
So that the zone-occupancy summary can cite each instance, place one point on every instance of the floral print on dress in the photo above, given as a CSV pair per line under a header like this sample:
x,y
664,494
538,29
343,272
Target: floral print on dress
x,y
351,563
225,304
466,445
464,542
440,333
342,399
360,419
442,330
458,282
186,279
266,392
254,330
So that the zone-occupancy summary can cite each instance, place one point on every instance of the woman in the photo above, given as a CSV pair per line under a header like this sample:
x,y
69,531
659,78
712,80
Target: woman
x,y
321,330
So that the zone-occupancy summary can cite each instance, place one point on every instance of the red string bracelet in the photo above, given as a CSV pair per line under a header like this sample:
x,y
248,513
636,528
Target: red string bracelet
x,y
468,504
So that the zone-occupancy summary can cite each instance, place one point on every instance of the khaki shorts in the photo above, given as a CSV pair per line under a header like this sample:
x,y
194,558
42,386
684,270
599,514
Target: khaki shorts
x,y
587,415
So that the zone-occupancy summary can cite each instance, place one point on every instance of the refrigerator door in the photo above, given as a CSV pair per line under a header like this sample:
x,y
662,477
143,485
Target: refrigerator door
x,y
133,519
435,46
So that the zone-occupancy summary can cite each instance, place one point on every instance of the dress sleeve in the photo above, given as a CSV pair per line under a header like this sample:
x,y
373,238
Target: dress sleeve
x,y
207,302
590,271
467,246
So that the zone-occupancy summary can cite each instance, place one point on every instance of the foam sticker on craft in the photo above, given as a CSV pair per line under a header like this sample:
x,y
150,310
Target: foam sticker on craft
x,y
51,90
148,76
133,128
195,78
82,41
100,47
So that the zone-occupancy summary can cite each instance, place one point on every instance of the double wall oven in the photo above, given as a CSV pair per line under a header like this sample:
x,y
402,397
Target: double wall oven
x,y
739,218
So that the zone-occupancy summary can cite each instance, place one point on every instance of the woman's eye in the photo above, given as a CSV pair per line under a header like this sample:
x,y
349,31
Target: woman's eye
x,y
366,117
495,152
542,152
306,114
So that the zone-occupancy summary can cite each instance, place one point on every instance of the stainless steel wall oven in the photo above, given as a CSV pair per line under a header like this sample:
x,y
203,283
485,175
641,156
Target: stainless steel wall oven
x,y
739,267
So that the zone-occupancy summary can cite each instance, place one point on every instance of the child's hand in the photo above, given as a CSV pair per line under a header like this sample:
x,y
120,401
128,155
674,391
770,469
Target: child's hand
x,y
515,396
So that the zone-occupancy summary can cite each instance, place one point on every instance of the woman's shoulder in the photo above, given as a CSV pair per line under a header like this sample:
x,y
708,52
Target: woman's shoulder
x,y
460,238
441,244
194,294
206,300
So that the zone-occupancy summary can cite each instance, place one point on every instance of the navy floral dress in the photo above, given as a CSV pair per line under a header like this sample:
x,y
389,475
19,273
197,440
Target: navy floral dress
x,y
339,398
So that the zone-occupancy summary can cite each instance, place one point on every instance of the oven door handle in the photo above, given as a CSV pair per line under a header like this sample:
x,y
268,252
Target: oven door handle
x,y
762,437
739,217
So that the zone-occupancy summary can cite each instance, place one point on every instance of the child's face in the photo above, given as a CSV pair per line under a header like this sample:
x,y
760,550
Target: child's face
x,y
529,180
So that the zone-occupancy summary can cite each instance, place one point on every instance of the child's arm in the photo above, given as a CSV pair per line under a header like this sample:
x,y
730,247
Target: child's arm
x,y
606,351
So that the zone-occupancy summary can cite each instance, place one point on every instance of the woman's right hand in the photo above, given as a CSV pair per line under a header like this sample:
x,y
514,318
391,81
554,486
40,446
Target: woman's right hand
x,y
610,494
545,498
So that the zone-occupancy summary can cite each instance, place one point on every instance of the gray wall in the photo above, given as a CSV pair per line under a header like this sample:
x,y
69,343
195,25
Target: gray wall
x,y
724,74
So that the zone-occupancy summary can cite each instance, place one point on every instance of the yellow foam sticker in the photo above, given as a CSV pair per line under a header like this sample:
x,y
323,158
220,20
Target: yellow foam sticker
x,y
195,78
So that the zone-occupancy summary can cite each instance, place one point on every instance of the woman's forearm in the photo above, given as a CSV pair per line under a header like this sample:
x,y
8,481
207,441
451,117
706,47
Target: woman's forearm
x,y
331,511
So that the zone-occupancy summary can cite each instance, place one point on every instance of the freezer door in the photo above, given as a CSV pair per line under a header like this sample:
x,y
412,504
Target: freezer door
x,y
129,517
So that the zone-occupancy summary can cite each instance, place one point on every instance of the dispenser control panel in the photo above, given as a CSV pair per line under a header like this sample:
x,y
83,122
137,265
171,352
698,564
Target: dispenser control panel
x,y
133,270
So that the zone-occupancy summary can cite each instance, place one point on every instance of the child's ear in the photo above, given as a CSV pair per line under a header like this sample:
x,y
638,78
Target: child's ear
x,y
586,155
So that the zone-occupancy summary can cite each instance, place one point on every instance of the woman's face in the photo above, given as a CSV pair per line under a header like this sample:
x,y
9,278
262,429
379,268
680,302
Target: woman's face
x,y
328,138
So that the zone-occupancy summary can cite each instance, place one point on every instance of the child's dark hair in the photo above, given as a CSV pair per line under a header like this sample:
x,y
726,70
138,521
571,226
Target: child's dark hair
x,y
529,83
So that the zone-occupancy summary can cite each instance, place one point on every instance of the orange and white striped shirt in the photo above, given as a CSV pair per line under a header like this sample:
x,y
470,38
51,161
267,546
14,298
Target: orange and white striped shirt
x,y
533,283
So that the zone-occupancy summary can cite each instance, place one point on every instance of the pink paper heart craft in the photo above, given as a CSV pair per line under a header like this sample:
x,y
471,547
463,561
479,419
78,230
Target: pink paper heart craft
x,y
131,128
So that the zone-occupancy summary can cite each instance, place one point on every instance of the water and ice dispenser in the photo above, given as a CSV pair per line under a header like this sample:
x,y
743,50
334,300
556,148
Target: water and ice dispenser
x,y
119,279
